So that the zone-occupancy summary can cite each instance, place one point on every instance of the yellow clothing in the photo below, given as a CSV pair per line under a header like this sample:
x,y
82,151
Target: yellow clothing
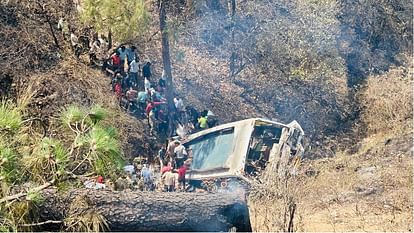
x,y
203,122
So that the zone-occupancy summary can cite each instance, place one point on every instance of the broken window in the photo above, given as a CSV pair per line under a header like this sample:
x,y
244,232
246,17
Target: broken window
x,y
263,138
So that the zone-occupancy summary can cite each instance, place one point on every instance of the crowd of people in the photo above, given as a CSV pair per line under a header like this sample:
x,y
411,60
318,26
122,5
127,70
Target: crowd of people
x,y
141,94
166,173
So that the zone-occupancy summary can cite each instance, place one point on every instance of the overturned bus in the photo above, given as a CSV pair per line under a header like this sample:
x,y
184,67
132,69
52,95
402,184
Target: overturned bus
x,y
240,151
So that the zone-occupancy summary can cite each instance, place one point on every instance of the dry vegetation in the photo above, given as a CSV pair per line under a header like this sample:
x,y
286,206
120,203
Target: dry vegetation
x,y
368,190
366,187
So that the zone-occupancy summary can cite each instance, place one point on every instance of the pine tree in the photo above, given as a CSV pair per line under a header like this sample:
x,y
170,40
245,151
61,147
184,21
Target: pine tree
x,y
123,19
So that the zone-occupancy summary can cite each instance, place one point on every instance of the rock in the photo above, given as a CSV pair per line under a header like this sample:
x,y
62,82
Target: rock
x,y
366,191
366,172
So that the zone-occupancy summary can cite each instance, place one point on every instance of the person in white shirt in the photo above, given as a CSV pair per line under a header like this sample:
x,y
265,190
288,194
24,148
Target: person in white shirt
x,y
180,154
179,107
133,71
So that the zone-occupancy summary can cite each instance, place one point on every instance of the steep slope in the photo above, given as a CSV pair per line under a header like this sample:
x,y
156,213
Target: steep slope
x,y
364,188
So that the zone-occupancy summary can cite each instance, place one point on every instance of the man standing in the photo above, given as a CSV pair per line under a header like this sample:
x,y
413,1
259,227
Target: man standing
x,y
122,53
146,70
180,154
116,62
133,71
146,175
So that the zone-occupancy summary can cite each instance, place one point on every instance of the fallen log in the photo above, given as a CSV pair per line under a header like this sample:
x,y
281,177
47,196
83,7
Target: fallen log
x,y
153,211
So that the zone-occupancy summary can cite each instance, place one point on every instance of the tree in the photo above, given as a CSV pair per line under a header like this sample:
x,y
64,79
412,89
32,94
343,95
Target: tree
x,y
122,19
146,211
166,60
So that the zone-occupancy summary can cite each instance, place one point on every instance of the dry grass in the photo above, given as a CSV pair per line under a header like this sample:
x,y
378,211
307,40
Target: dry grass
x,y
369,190
74,83
82,219
387,101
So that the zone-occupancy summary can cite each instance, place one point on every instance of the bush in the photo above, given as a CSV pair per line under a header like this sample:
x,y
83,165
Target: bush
x,y
387,102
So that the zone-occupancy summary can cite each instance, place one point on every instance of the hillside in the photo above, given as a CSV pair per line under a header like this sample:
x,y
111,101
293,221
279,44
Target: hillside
x,y
348,83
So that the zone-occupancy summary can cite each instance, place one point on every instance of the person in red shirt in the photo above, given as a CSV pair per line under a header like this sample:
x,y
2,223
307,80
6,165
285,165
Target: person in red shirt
x,y
152,105
181,176
166,168
100,180
118,90
116,61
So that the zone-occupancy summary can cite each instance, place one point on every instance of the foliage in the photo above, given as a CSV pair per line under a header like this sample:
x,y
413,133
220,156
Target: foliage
x,y
10,117
25,164
125,19
48,160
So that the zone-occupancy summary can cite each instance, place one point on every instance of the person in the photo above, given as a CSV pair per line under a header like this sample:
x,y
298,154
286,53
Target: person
x,y
151,105
118,89
146,175
179,107
146,70
193,115
133,72
103,42
116,61
74,41
181,176
100,180
161,155
63,27
126,82
169,179
162,80
122,53
202,122
131,95
163,120
152,121
180,154
131,54
142,100
147,84
167,167
171,147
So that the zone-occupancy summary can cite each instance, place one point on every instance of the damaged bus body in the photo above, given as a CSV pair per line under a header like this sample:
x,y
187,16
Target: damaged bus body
x,y
240,151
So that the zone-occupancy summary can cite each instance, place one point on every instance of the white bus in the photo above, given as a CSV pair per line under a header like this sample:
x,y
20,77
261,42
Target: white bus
x,y
241,149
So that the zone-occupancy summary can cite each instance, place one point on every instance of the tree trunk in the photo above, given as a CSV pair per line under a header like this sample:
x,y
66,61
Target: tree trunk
x,y
233,50
153,211
109,38
165,47
45,13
